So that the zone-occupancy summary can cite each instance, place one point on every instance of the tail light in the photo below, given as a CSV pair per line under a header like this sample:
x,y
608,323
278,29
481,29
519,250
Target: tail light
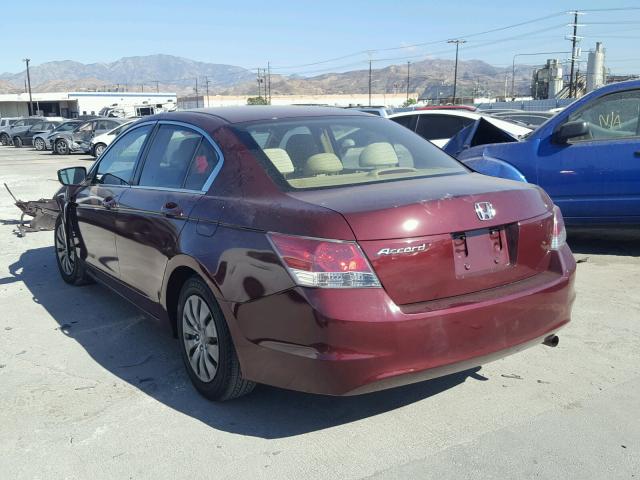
x,y
559,235
324,263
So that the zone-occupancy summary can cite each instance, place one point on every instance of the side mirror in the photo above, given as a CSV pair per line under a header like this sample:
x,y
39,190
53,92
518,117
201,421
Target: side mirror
x,y
72,175
570,130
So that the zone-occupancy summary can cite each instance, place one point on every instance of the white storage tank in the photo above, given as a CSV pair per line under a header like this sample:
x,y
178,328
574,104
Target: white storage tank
x,y
595,68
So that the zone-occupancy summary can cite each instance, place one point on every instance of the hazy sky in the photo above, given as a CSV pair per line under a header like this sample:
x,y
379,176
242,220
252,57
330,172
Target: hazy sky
x,y
293,33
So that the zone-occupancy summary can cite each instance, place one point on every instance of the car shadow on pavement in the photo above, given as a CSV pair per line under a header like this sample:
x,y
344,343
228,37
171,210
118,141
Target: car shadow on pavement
x,y
144,354
615,241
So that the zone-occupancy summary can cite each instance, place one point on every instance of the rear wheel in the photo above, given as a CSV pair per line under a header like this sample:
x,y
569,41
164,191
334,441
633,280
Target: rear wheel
x,y
38,144
17,142
62,147
4,139
71,268
205,342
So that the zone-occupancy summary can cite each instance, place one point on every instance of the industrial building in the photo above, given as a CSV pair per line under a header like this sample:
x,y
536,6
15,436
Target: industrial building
x,y
74,104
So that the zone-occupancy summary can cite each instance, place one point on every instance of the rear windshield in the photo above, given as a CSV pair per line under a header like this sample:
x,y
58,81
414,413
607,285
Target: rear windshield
x,y
342,150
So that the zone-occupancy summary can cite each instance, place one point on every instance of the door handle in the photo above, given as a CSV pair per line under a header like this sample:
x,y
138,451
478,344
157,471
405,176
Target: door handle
x,y
171,209
109,203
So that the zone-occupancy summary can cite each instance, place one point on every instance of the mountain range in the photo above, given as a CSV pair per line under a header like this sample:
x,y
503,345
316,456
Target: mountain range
x,y
172,73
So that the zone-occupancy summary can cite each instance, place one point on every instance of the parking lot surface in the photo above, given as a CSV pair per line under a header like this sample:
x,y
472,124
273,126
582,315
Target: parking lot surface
x,y
91,388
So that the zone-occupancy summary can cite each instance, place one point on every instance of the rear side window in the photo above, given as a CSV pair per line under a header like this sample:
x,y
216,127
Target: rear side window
x,y
169,159
202,164
434,127
406,121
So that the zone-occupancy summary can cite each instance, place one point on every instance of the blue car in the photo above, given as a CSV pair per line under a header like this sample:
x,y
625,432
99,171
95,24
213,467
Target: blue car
x,y
587,157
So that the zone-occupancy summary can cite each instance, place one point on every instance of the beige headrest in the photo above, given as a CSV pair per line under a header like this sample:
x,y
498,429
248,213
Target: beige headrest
x,y
280,159
323,163
378,155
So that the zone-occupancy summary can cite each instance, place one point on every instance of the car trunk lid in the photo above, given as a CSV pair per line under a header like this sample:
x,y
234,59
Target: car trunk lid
x,y
426,240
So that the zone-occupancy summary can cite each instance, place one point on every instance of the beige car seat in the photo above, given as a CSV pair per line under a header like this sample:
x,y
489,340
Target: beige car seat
x,y
280,159
322,163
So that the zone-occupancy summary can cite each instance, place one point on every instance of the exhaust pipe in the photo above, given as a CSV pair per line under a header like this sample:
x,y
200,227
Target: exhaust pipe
x,y
551,341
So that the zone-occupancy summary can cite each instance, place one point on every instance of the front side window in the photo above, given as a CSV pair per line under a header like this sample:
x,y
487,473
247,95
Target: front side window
x,y
169,157
38,126
344,150
117,164
86,127
611,117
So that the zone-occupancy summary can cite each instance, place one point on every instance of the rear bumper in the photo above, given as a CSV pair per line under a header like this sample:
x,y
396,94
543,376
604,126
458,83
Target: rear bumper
x,y
345,342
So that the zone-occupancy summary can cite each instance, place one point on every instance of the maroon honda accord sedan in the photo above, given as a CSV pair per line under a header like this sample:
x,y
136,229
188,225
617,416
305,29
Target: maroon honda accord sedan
x,y
314,249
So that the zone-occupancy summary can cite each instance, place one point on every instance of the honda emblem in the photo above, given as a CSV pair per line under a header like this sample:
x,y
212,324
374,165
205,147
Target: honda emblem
x,y
485,210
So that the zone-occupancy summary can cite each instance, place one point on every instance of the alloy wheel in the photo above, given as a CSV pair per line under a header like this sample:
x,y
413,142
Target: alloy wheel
x,y
39,144
61,147
99,149
200,338
66,258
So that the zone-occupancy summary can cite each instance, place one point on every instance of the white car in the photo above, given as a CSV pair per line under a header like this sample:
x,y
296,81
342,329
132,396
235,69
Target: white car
x,y
100,142
438,126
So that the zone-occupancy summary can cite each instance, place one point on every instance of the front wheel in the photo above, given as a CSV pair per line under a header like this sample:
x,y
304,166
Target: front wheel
x,y
71,268
98,149
38,144
17,142
206,345
4,139
61,147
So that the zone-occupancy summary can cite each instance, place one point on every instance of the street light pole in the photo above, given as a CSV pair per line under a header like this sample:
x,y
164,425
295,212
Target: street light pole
x,y
27,60
369,81
455,71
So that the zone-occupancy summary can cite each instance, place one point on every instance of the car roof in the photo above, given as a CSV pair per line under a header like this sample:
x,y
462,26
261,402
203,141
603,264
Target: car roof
x,y
250,113
450,112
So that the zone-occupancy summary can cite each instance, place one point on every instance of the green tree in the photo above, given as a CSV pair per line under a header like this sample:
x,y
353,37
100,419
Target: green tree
x,y
409,102
256,101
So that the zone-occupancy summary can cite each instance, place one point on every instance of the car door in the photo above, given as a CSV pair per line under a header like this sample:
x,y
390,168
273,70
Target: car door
x,y
97,203
84,133
597,176
40,127
175,173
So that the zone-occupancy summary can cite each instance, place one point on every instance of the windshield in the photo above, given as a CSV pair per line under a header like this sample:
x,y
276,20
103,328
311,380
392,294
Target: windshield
x,y
335,151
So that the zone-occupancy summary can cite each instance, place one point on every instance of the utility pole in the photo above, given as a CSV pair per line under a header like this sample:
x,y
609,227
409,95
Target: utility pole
x,y
408,67
142,87
207,82
157,86
197,99
369,81
27,60
455,71
269,80
574,41
259,80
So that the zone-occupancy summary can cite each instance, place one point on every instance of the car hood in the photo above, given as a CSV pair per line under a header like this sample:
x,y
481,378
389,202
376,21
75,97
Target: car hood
x,y
480,132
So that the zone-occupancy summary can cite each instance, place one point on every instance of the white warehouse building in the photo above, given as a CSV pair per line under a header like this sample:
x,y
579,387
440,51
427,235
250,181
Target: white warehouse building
x,y
74,104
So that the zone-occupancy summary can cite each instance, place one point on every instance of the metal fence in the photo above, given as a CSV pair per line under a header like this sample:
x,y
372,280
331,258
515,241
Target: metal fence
x,y
528,105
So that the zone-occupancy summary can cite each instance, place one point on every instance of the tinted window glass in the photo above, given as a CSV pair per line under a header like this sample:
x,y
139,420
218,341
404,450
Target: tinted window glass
x,y
86,127
169,157
613,116
203,163
335,151
37,126
117,164
405,120
433,127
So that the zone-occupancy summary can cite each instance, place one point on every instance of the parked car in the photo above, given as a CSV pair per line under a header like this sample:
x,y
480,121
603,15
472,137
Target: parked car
x,y
378,111
79,139
42,141
101,142
7,122
25,135
243,231
586,157
438,126
6,133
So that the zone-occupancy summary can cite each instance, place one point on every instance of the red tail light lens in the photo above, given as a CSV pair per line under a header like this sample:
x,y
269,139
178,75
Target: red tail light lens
x,y
559,236
324,263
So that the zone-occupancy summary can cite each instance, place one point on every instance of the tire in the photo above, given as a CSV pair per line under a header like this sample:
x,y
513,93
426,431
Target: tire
x,y
39,144
4,139
98,149
206,346
71,268
17,142
61,147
